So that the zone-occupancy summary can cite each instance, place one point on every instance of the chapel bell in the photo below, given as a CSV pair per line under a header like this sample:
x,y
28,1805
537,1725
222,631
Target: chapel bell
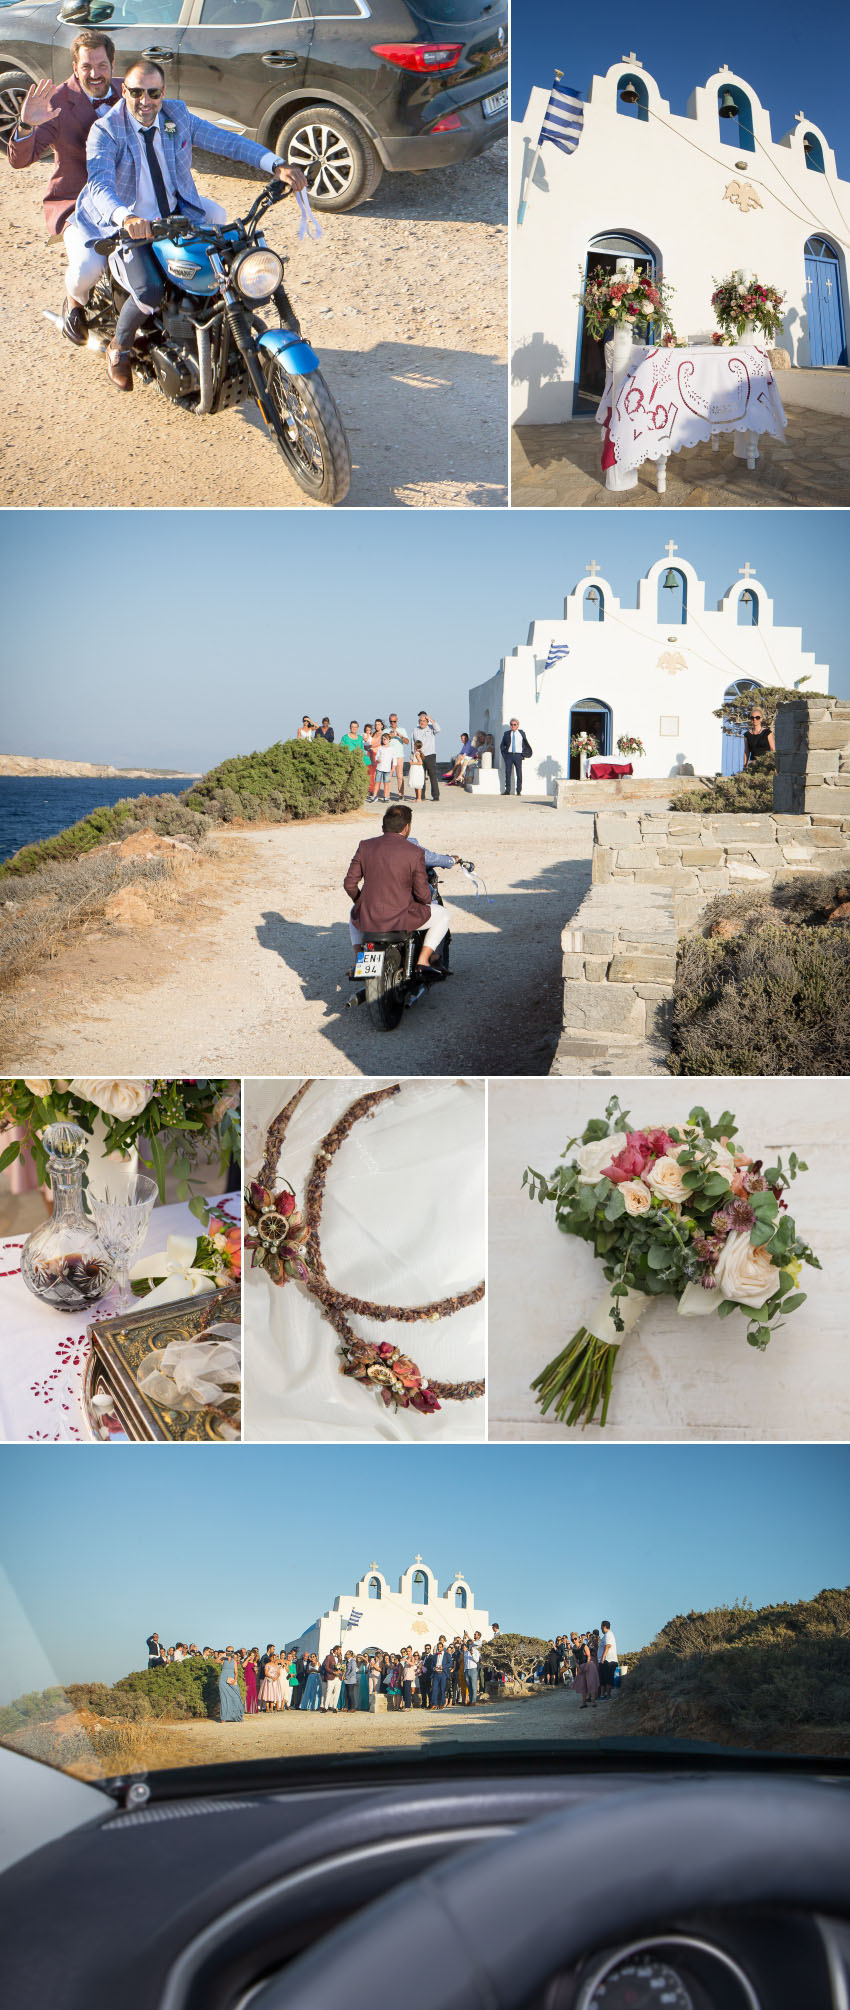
x,y
727,107
671,582
628,94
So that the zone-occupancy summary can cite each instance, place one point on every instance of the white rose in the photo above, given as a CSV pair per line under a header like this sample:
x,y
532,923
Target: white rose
x,y
745,1272
636,1196
665,1179
38,1088
117,1099
593,1158
721,1159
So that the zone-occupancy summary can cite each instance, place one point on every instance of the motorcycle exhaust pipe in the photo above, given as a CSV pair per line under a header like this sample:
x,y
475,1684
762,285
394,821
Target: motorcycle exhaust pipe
x,y
205,368
94,341
358,999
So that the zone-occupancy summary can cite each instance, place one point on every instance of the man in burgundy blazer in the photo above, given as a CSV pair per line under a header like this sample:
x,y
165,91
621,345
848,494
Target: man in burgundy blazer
x,y
388,884
62,119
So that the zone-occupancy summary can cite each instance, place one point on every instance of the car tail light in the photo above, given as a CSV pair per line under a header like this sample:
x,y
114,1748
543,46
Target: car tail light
x,y
450,124
421,56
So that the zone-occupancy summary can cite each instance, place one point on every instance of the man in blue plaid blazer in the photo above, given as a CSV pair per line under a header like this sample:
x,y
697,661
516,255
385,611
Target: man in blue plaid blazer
x,y
140,168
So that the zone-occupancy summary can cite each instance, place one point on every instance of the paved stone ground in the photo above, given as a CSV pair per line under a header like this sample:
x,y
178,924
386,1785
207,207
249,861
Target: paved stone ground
x,y
558,466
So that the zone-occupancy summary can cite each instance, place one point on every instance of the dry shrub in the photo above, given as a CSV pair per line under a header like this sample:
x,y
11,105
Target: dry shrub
x,y
773,1000
775,1678
39,911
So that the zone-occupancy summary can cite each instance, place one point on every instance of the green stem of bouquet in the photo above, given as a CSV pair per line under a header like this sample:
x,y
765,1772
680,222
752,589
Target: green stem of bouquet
x,y
578,1380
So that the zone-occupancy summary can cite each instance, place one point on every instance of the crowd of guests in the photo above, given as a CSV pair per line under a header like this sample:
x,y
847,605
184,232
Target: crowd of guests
x,y
586,1662
386,749
450,1674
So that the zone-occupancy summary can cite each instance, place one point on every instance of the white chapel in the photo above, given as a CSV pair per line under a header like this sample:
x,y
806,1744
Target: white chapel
x,y
693,197
374,1616
657,672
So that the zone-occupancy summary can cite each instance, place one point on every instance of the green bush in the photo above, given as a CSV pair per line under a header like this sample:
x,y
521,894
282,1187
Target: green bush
x,y
748,793
294,778
182,1690
513,1653
773,1678
772,1000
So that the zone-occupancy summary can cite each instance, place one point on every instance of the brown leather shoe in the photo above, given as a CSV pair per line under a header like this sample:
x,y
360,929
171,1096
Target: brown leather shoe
x,y
118,369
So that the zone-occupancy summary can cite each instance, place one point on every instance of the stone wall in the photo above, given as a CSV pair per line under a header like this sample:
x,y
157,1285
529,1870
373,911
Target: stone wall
x,y
626,789
813,757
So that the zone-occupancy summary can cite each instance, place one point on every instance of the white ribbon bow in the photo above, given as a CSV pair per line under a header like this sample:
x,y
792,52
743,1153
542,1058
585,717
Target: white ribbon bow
x,y
192,1374
309,225
175,1265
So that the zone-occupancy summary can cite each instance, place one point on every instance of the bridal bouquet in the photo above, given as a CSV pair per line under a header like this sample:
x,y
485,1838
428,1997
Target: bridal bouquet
x,y
679,1211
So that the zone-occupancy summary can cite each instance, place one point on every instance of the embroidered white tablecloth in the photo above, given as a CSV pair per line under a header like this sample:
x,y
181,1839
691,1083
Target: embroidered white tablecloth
x,y
43,1351
674,398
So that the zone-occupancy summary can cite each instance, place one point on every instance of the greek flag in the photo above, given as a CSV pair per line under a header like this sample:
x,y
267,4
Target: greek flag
x,y
354,1617
556,651
564,117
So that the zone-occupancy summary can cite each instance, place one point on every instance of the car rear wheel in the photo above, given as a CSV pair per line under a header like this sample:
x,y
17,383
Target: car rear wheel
x,y
342,166
14,86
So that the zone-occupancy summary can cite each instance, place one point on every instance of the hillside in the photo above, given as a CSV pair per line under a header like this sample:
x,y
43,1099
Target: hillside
x,y
774,1678
29,765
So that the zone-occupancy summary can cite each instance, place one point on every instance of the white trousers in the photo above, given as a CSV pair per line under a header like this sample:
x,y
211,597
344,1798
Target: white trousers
x,y
330,1693
85,265
438,926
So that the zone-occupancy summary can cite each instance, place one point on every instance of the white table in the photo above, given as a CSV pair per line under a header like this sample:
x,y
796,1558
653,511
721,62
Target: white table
x,y
677,1379
43,1351
668,399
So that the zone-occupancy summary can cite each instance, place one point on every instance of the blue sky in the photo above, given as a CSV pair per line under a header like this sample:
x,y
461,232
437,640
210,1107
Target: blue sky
x,y
794,57
237,623
105,1544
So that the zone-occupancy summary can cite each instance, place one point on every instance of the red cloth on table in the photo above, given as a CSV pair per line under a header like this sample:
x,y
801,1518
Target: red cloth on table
x,y
608,771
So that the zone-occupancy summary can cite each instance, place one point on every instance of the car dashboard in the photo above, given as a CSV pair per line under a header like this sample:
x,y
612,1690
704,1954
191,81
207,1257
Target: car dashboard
x,y
192,1901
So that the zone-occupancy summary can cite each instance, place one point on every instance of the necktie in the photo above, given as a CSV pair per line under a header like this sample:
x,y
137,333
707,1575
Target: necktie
x,y
159,188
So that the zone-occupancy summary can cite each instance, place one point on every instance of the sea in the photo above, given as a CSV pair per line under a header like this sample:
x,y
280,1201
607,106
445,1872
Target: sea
x,y
37,806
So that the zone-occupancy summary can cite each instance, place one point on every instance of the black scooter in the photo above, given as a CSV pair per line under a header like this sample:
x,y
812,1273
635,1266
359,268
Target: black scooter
x,y
388,965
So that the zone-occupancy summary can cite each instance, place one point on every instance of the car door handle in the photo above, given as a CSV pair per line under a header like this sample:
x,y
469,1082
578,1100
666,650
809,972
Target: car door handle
x,y
279,59
161,55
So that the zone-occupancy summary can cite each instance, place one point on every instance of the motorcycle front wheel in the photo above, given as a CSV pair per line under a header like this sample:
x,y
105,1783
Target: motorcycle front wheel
x,y
309,432
385,994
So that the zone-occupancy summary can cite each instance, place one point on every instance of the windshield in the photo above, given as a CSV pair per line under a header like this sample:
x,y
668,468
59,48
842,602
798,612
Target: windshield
x,y
287,1607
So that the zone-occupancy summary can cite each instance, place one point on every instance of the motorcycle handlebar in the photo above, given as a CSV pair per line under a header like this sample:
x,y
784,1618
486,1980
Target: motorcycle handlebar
x,y
178,226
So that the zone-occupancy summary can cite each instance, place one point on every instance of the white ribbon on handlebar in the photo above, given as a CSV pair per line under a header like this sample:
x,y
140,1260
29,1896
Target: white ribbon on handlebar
x,y
309,225
478,886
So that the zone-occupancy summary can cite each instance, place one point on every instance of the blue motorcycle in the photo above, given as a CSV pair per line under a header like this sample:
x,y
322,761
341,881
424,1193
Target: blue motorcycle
x,y
208,348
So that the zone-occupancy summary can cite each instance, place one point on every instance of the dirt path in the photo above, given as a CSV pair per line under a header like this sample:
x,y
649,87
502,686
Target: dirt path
x,y
255,984
298,1734
405,300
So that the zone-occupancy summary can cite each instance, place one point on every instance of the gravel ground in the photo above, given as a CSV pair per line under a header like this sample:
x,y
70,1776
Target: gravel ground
x,y
253,982
290,1734
405,300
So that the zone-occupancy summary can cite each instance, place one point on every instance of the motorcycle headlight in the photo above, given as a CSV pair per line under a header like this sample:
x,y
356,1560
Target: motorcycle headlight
x,y
257,274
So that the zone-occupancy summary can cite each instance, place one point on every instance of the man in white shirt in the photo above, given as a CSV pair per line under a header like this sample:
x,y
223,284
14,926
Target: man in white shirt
x,y
399,739
471,1663
428,730
139,167
607,1662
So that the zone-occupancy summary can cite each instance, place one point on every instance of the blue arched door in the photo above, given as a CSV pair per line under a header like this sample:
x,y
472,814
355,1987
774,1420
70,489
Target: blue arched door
x,y
827,341
590,715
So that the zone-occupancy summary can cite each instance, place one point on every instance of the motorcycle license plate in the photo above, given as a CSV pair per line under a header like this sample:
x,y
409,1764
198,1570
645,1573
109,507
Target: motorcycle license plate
x,y
370,963
497,103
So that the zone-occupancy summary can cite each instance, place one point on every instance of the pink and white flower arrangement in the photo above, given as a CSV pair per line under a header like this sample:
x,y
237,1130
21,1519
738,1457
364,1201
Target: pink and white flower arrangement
x,y
629,745
741,303
677,1211
626,300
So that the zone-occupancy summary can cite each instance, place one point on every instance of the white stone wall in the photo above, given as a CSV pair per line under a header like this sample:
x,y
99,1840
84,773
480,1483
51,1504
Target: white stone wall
x,y
663,181
394,1620
662,682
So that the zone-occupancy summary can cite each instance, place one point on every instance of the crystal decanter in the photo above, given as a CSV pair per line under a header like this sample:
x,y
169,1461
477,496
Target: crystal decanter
x,y
64,1263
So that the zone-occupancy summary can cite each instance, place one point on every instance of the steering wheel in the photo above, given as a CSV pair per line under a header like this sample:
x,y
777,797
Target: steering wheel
x,y
490,1927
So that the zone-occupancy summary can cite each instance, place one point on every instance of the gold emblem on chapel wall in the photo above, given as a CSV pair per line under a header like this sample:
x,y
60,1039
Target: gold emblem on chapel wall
x,y
672,664
743,195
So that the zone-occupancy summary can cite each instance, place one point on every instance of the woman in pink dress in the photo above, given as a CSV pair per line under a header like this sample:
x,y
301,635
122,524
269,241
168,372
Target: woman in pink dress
x,y
271,1687
249,1670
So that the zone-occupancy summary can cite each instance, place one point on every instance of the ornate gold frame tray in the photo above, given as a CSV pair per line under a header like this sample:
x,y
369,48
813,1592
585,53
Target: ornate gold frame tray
x,y
118,1347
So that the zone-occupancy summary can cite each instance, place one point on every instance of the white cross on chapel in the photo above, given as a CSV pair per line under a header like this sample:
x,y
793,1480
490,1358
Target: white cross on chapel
x,y
671,548
592,568
417,1558
746,569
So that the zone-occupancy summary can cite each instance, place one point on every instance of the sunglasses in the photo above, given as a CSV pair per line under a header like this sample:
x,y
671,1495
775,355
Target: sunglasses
x,y
143,93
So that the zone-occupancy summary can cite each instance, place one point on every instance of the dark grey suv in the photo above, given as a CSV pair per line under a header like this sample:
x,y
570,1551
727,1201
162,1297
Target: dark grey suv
x,y
343,88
